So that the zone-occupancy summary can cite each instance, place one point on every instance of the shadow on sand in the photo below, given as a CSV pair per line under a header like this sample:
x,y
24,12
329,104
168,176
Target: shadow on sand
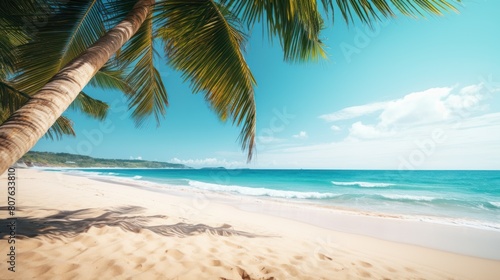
x,y
128,218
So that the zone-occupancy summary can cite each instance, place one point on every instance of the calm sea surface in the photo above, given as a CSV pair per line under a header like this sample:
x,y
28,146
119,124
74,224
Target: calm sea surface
x,y
459,197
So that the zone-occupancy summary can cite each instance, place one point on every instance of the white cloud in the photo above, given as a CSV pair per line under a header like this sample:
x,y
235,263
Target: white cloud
x,y
359,130
301,135
208,162
468,100
439,128
354,112
335,128
416,108
435,105
472,143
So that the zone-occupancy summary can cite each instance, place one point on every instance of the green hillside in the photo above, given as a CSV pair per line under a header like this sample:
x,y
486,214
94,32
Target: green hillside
x,y
47,159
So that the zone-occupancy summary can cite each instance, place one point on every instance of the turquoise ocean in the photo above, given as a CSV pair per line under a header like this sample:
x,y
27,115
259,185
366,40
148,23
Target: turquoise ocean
x,y
469,198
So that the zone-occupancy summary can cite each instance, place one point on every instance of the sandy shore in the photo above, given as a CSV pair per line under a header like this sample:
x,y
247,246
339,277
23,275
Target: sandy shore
x,y
72,227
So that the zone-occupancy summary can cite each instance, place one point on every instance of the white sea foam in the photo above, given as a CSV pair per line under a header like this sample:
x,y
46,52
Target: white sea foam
x,y
258,191
83,173
495,203
137,177
363,184
409,197
458,222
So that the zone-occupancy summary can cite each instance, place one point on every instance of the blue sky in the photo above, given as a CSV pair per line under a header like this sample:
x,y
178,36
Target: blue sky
x,y
409,94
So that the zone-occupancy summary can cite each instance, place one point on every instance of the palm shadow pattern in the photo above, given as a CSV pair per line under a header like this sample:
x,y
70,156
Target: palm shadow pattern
x,y
70,223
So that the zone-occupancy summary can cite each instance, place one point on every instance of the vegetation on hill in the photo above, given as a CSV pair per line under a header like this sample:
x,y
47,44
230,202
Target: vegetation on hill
x,y
47,159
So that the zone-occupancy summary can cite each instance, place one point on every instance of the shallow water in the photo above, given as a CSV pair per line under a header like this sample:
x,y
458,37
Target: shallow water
x,y
469,198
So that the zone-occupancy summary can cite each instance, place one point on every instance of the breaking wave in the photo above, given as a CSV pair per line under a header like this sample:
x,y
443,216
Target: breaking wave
x,y
363,184
259,191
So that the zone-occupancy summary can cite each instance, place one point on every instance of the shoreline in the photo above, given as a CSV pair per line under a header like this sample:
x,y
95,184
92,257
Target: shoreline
x,y
288,248
399,228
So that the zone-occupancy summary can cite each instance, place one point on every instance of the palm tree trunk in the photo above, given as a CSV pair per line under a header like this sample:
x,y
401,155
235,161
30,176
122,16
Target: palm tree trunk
x,y
26,126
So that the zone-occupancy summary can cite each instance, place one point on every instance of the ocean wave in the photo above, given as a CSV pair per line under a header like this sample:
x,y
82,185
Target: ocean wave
x,y
137,177
495,203
83,173
363,184
408,197
479,224
259,191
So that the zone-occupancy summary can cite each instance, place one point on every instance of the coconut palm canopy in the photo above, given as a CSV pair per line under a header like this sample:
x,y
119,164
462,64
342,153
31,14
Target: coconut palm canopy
x,y
203,39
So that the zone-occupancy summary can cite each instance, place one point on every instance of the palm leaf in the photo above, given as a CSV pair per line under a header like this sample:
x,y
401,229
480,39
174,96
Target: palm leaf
x,y
9,41
111,77
11,99
371,11
76,25
13,33
296,23
149,96
4,114
62,126
92,107
71,28
68,33
204,41
117,10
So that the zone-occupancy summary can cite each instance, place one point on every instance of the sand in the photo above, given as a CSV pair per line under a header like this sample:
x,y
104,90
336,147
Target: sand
x,y
71,227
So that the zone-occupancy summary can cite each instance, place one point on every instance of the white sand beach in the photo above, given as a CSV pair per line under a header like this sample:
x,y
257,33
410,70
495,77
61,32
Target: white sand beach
x,y
71,227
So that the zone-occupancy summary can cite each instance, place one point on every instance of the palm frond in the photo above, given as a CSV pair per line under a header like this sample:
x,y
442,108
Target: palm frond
x,y
69,31
17,17
117,10
3,115
148,95
111,77
204,41
11,99
371,11
71,27
13,33
92,107
296,23
62,126
9,41
328,7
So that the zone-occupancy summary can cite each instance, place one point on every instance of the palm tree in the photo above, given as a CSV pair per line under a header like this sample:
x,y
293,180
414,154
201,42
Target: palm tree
x,y
18,53
23,128
202,38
